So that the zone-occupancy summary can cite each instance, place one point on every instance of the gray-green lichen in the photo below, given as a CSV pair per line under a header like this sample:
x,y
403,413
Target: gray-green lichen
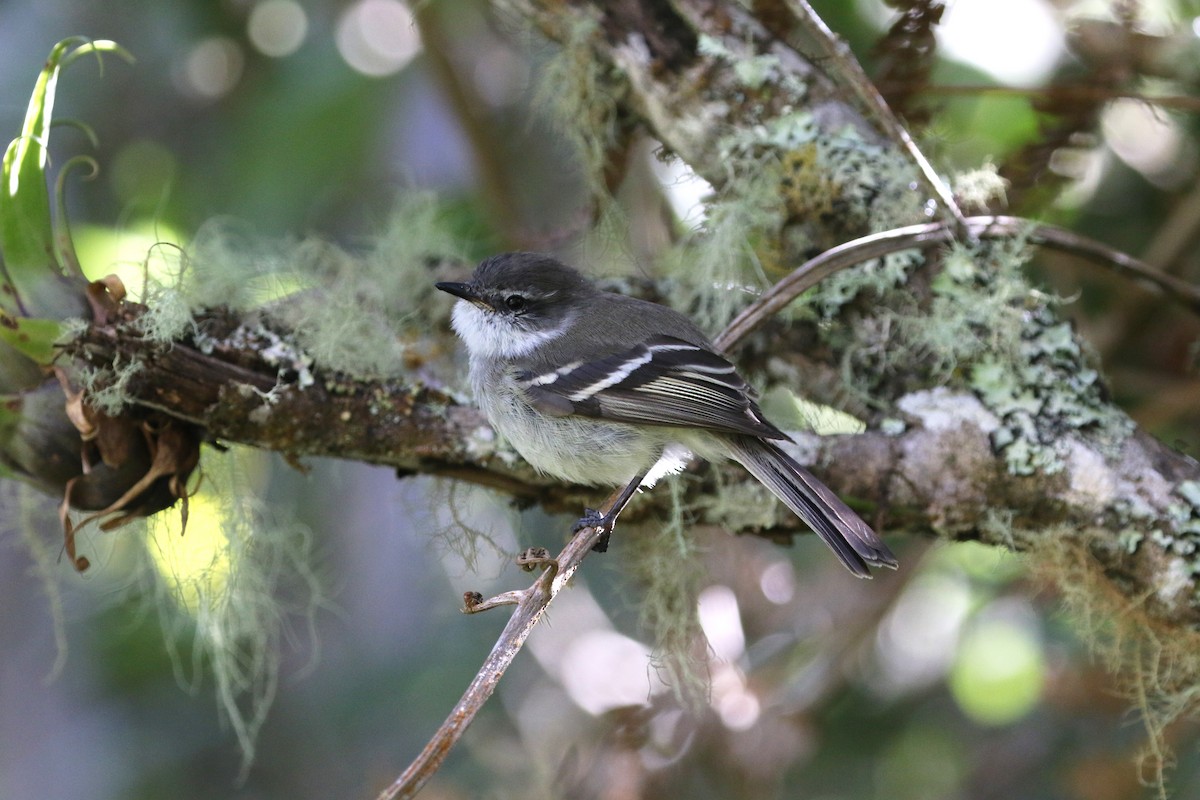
x,y
980,188
168,317
307,304
786,178
984,326
1047,392
1130,539
107,388
744,505
347,311
667,564
1184,538
753,72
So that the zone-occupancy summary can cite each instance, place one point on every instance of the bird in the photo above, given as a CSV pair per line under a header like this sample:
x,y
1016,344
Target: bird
x,y
597,388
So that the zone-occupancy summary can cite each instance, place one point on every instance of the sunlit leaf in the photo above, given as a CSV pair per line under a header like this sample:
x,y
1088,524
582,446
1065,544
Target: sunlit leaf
x,y
34,338
26,226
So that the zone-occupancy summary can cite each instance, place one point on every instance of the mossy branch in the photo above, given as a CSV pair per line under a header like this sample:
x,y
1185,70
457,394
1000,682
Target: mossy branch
x,y
941,473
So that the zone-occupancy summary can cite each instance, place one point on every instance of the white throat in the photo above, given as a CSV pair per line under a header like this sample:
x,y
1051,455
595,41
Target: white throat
x,y
489,334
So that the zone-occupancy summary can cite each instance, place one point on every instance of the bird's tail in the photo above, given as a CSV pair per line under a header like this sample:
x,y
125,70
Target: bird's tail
x,y
855,544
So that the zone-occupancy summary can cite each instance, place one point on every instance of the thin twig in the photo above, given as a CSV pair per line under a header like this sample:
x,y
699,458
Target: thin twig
x,y
531,604
935,234
1068,91
853,73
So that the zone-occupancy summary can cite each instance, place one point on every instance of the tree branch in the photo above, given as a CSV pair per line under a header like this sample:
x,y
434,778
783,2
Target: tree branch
x,y
531,604
937,234
853,73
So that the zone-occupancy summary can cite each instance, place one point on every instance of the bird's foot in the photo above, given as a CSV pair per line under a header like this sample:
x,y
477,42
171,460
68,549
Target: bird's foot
x,y
594,519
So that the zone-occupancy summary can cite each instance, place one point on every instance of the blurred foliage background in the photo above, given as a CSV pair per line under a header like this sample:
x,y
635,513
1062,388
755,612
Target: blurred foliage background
x,y
955,678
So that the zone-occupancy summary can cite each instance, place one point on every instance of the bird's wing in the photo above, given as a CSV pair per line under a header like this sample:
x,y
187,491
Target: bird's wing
x,y
663,381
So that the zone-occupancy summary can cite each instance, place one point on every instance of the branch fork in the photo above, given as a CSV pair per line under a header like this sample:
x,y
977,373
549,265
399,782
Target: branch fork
x,y
528,560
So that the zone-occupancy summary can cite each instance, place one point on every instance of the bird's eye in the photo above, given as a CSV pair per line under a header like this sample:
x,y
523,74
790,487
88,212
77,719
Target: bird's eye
x,y
515,303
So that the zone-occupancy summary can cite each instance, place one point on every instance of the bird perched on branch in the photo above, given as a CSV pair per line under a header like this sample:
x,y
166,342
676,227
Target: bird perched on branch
x,y
597,388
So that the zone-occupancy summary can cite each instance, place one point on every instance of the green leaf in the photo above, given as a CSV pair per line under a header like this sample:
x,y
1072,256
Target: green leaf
x,y
10,415
26,226
33,337
17,371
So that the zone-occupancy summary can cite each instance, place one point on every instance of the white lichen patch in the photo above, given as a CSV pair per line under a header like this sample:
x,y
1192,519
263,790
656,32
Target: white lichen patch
x,y
1091,481
941,409
950,447
979,188
1176,578
286,356
480,443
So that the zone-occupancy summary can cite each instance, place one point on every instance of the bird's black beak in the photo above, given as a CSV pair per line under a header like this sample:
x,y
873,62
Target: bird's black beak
x,y
462,290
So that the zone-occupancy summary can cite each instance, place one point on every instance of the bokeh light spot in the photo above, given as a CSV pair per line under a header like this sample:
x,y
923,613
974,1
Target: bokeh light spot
x,y
736,705
377,37
998,675
778,583
277,27
1149,141
1017,41
140,252
739,710
603,670
918,639
722,622
213,67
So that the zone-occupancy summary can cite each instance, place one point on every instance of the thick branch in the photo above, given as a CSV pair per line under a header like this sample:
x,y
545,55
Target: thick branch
x,y
238,393
941,474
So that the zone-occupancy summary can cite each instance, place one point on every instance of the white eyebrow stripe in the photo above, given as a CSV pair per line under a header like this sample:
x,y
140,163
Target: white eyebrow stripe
x,y
619,374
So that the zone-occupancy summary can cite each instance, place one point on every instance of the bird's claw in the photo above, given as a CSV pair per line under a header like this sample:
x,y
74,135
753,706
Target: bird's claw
x,y
594,519
591,519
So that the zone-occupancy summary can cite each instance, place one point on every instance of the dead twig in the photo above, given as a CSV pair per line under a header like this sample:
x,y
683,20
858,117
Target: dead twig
x,y
1060,92
531,603
936,234
853,74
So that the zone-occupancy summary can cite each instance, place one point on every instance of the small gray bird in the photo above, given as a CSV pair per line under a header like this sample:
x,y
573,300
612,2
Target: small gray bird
x,y
601,389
